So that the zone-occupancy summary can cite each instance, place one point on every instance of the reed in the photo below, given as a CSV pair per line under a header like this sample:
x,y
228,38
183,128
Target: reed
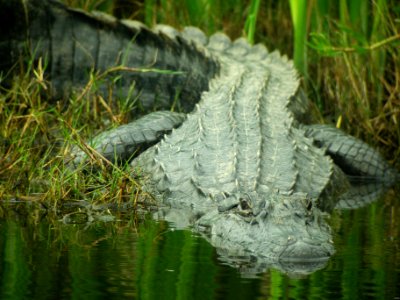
x,y
251,21
358,44
298,10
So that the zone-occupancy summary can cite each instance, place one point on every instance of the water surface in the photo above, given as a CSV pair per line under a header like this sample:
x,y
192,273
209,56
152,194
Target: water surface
x,y
144,259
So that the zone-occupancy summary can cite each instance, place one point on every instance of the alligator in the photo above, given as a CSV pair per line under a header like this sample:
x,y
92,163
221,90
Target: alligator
x,y
238,164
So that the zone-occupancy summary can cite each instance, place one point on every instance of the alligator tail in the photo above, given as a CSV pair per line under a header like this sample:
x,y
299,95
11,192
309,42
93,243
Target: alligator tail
x,y
156,66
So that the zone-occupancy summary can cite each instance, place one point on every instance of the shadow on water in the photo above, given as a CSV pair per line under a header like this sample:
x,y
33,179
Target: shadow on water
x,y
43,259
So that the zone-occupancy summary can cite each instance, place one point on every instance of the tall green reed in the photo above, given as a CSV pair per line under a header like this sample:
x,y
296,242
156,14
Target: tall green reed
x,y
298,10
251,20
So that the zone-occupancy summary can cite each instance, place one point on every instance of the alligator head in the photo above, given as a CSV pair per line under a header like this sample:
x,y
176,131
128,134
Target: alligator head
x,y
287,232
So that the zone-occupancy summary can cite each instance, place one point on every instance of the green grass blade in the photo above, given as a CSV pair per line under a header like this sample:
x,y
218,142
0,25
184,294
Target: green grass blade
x,y
251,21
298,10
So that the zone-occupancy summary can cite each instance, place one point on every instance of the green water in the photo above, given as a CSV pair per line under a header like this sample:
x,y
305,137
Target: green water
x,y
132,259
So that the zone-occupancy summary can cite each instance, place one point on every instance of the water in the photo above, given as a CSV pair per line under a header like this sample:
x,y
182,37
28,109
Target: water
x,y
43,259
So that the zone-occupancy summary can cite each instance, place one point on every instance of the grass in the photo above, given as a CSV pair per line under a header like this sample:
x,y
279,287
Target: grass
x,y
36,135
348,56
359,51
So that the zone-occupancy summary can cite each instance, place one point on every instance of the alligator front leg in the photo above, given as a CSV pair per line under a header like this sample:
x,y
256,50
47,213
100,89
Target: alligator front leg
x,y
127,141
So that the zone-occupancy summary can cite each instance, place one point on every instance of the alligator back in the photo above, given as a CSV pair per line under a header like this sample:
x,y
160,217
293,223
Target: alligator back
x,y
242,139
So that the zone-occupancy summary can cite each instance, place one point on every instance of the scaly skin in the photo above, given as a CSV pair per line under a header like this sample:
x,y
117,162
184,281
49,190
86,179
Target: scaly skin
x,y
73,44
240,168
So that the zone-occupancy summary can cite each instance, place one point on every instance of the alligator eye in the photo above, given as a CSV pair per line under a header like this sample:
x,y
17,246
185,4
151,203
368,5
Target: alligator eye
x,y
244,204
